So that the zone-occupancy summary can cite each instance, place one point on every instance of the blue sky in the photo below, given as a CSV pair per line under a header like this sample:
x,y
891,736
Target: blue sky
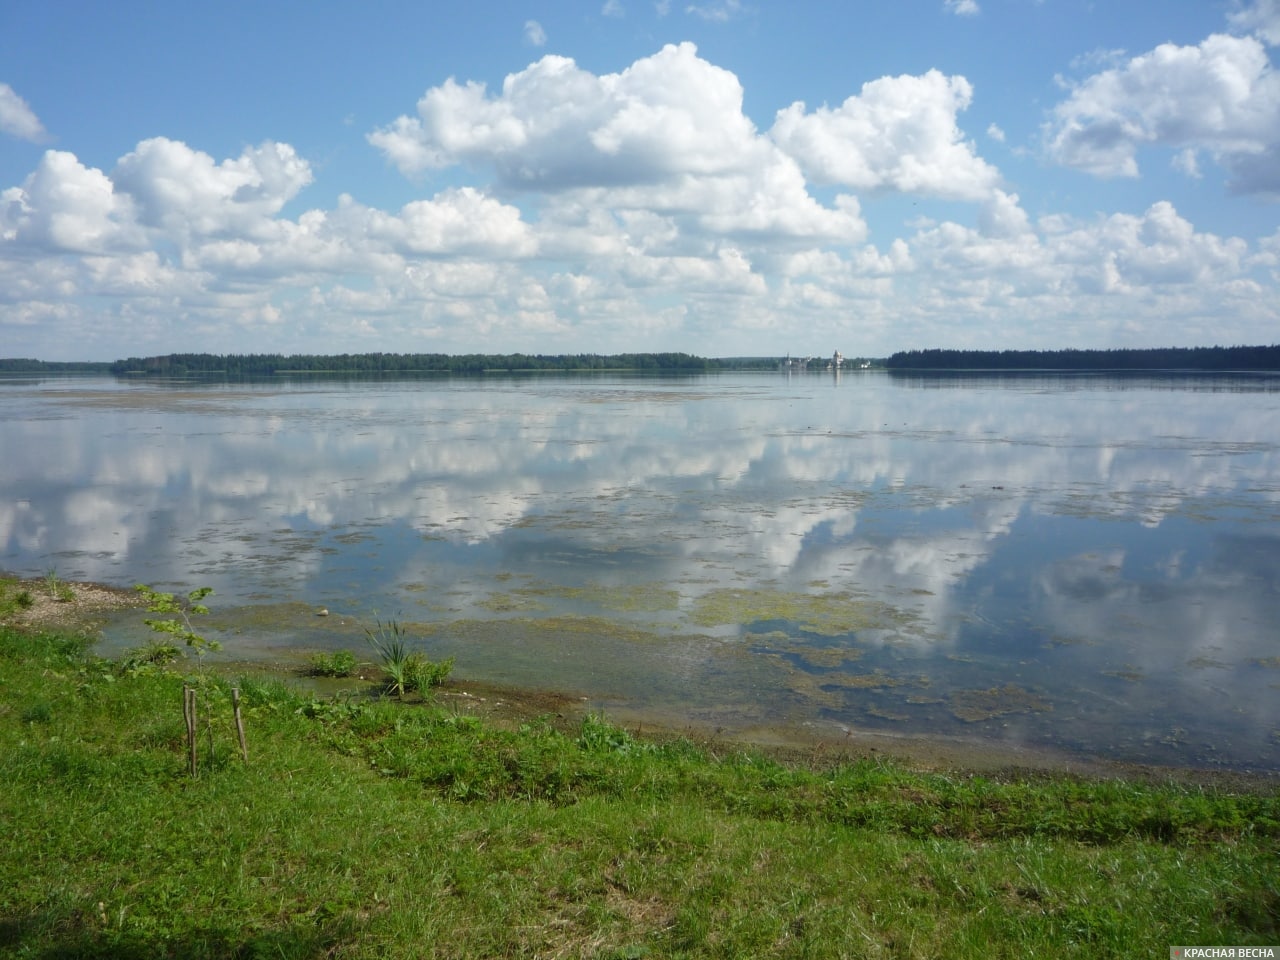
x,y
723,177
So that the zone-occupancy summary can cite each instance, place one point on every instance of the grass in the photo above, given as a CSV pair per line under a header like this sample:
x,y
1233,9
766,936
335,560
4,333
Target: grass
x,y
14,597
375,828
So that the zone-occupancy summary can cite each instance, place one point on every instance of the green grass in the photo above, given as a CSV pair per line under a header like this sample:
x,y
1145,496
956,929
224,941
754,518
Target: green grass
x,y
373,828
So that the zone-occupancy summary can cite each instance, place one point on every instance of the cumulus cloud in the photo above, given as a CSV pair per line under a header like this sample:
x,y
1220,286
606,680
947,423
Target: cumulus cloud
x,y
65,206
1261,17
634,210
899,133
1221,97
17,119
184,191
667,134
555,125
963,8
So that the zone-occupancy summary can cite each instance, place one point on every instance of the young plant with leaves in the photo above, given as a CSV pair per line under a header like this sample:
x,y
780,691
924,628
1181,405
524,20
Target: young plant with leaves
x,y
180,611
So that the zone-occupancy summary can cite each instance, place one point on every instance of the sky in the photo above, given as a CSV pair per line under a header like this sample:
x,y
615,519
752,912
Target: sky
x,y
721,177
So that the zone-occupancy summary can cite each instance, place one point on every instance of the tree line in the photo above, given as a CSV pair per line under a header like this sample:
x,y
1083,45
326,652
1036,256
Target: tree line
x,y
268,364
1165,358
22,365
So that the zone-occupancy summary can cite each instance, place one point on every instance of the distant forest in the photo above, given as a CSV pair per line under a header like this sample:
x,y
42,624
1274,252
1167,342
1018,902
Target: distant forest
x,y
1206,359
237,365
1171,358
18,365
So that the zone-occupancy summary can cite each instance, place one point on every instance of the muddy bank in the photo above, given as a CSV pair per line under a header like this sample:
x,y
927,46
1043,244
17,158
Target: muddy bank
x,y
84,608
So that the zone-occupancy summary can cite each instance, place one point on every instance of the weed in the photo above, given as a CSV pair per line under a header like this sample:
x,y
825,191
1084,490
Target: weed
x,y
407,670
57,588
339,664
423,674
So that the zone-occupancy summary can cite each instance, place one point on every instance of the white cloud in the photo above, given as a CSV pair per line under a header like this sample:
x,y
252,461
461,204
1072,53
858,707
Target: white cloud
x,y
1221,97
1261,17
65,206
1188,162
534,35
635,210
17,119
720,11
899,133
183,191
612,8
995,133
457,222
555,125
963,8
666,135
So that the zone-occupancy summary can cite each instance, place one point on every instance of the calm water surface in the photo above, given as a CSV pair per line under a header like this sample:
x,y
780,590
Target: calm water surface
x,y
1083,563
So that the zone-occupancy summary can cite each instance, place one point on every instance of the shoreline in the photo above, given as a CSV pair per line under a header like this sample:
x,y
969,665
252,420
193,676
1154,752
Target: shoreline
x,y
87,606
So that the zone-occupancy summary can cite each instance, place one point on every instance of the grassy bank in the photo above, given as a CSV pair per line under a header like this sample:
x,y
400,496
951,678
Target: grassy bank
x,y
366,828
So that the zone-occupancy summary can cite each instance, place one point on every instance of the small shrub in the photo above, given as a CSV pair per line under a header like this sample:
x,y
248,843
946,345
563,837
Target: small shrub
x,y
25,600
339,664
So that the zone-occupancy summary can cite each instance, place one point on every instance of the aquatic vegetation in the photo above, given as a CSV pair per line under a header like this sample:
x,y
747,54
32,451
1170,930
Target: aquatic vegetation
x,y
829,614
973,706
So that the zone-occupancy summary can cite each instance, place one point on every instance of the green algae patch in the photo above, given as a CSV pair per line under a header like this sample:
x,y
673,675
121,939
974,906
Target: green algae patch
x,y
833,689
1128,674
515,601
825,614
636,598
566,627
273,617
819,658
973,706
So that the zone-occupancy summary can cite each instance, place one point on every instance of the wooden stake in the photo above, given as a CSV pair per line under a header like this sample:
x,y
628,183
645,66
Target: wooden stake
x,y
235,709
189,714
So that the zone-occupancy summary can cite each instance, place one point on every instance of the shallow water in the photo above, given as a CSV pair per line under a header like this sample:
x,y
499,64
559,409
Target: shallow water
x,y
1083,563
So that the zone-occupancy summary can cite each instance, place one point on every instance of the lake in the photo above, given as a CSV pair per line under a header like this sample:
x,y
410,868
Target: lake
x,y
1082,564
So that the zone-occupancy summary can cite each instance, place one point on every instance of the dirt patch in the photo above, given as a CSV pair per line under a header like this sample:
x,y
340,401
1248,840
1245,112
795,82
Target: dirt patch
x,y
60,605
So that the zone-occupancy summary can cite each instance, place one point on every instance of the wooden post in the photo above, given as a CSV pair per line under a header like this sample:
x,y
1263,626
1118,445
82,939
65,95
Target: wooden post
x,y
235,709
189,714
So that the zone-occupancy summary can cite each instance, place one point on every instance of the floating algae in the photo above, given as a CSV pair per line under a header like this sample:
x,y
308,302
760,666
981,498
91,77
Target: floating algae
x,y
521,600
826,614
1129,674
972,706
832,690
803,652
